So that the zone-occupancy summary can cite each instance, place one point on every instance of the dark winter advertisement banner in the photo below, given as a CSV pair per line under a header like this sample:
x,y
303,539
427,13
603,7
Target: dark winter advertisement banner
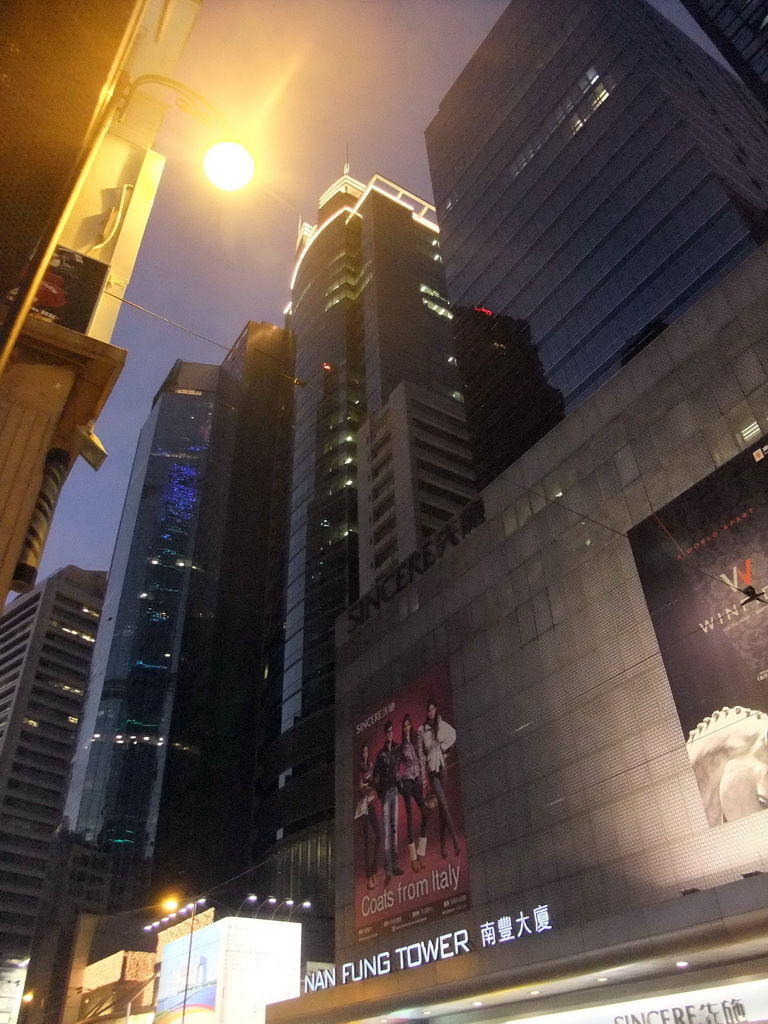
x,y
703,564
409,851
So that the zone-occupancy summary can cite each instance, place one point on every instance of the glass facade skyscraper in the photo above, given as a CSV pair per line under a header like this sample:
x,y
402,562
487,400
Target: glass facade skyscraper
x,y
368,312
163,779
118,773
594,172
739,29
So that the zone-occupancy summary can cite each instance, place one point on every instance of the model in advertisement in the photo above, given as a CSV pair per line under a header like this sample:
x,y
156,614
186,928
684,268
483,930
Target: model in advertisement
x,y
404,781
729,755
413,781
436,738
703,564
366,814
386,778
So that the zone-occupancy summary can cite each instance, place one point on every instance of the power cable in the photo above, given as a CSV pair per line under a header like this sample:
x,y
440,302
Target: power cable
x,y
297,381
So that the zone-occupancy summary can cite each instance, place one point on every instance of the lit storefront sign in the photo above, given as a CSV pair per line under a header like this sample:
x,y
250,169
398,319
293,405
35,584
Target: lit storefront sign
x,y
725,1004
443,947
507,929
413,954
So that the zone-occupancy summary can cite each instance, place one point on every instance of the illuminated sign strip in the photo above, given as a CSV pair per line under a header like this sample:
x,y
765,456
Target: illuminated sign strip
x,y
725,1004
427,951
414,954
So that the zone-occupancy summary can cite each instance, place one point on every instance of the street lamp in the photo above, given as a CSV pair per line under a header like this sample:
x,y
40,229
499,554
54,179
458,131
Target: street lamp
x,y
228,165
189,102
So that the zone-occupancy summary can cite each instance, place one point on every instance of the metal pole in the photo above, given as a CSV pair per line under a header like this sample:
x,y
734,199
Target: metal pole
x,y
189,961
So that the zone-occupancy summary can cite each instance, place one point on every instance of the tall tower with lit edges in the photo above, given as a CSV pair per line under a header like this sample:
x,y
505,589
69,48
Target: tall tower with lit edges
x,y
368,313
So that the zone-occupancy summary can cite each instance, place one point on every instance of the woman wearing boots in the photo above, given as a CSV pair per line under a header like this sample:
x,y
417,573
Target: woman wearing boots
x,y
412,779
436,738
365,812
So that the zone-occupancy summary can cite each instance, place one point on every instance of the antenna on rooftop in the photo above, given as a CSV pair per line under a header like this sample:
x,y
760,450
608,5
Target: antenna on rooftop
x,y
346,165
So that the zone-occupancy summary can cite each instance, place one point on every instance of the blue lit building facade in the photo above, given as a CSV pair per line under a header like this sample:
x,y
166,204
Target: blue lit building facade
x,y
118,771
164,775
595,172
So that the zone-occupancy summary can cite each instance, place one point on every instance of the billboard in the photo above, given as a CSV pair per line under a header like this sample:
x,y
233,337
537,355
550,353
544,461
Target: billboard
x,y
703,565
228,972
410,858
70,289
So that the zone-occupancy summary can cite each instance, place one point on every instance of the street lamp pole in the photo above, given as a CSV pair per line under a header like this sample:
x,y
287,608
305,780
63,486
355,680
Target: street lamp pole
x,y
188,101
189,957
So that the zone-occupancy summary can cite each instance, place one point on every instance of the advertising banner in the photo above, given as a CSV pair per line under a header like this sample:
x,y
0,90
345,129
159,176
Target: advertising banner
x,y
703,564
228,972
409,851
189,977
71,289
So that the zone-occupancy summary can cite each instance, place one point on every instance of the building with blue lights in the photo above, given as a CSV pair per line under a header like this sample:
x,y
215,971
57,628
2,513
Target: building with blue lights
x,y
163,774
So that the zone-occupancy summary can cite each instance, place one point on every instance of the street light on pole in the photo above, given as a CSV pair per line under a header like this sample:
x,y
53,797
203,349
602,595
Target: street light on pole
x,y
228,165
193,907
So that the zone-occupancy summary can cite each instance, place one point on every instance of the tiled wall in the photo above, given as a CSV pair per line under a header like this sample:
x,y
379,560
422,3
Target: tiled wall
x,y
577,786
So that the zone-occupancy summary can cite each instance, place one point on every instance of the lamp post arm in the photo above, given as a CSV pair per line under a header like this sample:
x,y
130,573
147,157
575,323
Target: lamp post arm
x,y
187,100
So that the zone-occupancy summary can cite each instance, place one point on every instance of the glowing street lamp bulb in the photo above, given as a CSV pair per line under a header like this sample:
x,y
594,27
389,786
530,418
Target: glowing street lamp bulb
x,y
229,166
170,904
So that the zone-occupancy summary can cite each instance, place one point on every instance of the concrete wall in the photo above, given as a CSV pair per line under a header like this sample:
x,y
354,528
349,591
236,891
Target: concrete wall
x,y
578,791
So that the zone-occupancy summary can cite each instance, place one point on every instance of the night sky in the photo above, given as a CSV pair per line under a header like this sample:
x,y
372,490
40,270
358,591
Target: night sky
x,y
300,80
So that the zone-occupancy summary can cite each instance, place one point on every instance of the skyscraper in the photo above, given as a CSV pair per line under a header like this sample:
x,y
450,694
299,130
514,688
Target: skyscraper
x,y
416,474
594,172
739,29
46,645
368,312
495,354
164,773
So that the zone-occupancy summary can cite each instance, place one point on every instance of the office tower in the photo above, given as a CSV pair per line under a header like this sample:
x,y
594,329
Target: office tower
x,y
418,475
739,29
164,773
595,172
495,354
368,312
46,644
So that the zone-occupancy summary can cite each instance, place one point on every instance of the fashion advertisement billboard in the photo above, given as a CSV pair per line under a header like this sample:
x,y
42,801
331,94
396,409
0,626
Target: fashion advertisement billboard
x,y
703,565
410,856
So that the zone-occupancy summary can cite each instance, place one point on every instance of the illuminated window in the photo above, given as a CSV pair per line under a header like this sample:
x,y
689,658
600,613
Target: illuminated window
x,y
577,106
436,308
32,722
426,290
598,96
750,432
73,719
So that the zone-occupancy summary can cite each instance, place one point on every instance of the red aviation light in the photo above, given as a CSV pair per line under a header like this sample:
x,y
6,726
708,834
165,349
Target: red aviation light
x,y
327,367
482,309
